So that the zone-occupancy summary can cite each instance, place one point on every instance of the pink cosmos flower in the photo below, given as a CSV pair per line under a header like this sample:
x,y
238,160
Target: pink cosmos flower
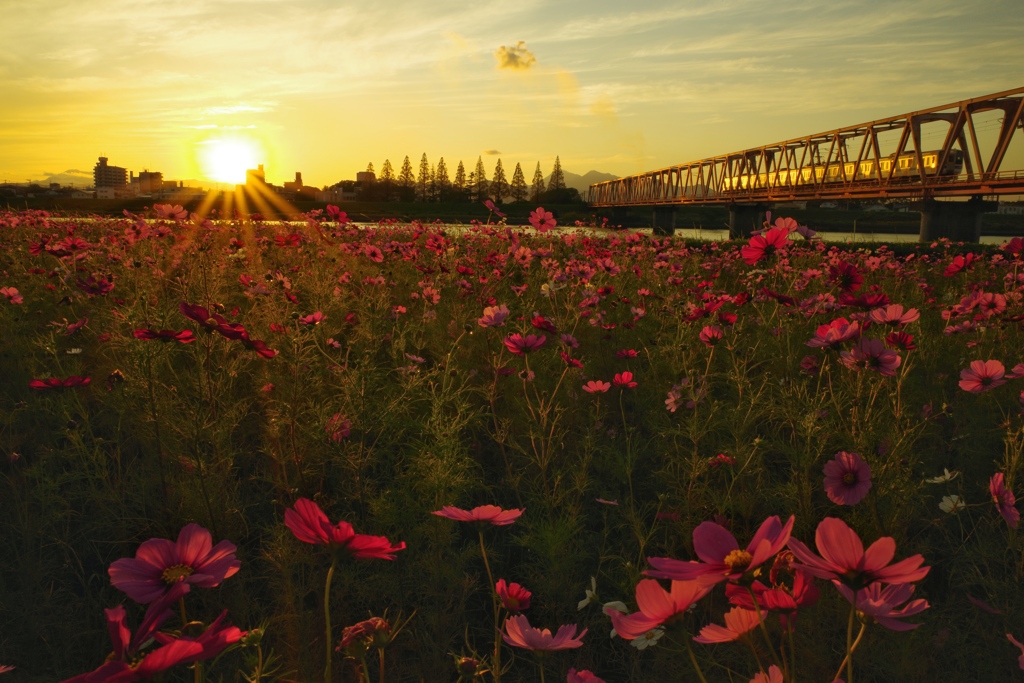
x,y
491,207
901,340
871,353
846,276
583,676
762,246
159,564
12,294
519,633
737,622
596,386
711,335
781,599
894,315
624,380
513,597
309,524
542,220
982,376
657,606
1004,499
488,514
880,604
847,478
167,211
835,333
314,318
720,554
774,675
338,427
520,345
494,316
843,557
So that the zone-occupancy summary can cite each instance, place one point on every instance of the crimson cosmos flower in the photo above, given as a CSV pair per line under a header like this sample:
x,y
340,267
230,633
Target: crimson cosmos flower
x,y
309,524
160,564
720,554
519,633
513,597
762,246
184,337
542,220
843,557
127,664
57,383
487,514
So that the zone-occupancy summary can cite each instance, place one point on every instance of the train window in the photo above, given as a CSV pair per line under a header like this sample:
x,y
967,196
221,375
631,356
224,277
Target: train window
x,y
904,162
887,164
929,161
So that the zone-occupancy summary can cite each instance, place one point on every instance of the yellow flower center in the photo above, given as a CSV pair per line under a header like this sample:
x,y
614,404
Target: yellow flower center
x,y
849,478
738,560
177,573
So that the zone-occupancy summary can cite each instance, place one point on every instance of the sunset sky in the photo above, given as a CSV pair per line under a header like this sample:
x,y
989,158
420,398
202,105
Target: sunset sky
x,y
324,87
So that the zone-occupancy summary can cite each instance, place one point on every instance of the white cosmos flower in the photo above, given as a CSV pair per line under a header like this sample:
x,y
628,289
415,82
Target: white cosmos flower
x,y
944,477
591,594
648,639
952,504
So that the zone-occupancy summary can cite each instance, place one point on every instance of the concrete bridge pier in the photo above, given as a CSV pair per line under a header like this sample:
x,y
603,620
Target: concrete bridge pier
x,y
663,220
745,218
958,221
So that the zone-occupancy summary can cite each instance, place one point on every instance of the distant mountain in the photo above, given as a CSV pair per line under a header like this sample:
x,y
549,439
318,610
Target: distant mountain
x,y
72,177
582,182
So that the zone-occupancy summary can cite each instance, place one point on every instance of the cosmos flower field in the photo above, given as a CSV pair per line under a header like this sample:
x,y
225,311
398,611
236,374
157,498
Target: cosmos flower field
x,y
487,448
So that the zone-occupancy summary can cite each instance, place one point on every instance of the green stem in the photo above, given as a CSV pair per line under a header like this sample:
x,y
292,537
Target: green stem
x,y
849,643
848,661
327,618
381,677
764,630
693,660
496,659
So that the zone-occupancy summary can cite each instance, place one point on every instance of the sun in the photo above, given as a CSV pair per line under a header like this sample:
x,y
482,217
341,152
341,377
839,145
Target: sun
x,y
227,159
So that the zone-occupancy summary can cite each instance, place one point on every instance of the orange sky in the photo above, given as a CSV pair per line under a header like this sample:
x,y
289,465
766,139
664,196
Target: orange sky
x,y
324,87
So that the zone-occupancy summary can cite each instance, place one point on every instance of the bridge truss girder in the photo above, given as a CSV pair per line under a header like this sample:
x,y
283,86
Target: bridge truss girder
x,y
832,165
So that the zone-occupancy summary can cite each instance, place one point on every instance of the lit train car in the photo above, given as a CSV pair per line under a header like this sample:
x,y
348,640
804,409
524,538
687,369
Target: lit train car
x,y
906,167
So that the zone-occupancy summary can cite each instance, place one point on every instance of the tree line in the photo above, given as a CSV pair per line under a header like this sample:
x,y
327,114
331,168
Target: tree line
x,y
434,183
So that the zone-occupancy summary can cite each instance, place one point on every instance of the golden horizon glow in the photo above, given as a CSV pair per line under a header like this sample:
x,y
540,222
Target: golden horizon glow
x,y
226,160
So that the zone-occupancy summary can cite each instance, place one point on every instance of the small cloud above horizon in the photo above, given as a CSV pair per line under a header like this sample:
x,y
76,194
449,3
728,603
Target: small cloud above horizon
x,y
516,57
492,152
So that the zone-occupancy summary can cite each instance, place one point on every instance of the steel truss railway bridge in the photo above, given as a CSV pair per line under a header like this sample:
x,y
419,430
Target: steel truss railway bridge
x,y
886,159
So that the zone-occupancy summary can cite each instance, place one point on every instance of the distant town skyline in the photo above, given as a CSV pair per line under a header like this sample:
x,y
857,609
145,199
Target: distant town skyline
x,y
202,88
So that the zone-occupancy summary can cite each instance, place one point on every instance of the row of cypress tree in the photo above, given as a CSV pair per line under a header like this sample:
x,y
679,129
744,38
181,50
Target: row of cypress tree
x,y
434,184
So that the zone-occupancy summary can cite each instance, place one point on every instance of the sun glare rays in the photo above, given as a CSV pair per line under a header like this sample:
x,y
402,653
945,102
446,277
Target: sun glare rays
x,y
227,159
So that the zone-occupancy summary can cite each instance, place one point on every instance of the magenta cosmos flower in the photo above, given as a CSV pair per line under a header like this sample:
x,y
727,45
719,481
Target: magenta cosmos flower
x,y
1004,499
720,554
159,564
847,479
871,353
657,606
309,524
58,383
982,376
774,675
843,557
485,514
880,604
1020,660
519,633
596,387
520,345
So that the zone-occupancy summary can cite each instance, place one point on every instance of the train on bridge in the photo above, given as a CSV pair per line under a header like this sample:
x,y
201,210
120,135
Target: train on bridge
x,y
906,167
